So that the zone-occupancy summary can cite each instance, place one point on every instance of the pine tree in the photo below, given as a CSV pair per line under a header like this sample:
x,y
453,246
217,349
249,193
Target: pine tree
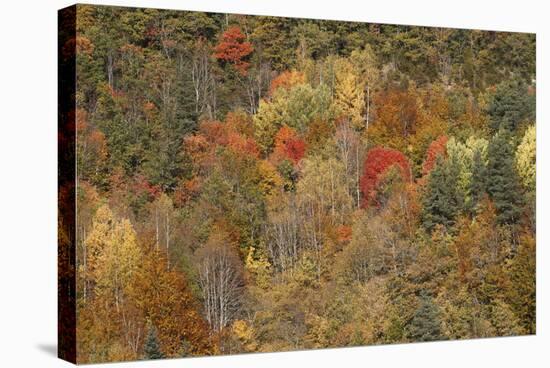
x,y
511,104
502,179
151,348
425,324
442,201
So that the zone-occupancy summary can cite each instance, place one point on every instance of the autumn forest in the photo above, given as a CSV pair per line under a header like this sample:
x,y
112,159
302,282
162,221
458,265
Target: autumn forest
x,y
259,184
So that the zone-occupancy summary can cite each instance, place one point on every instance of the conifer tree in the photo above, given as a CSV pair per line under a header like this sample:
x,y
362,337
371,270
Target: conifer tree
x,y
151,348
502,179
425,324
442,201
511,104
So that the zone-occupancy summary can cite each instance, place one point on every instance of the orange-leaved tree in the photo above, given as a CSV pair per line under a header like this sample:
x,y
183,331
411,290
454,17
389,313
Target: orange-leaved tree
x,y
288,145
233,48
379,160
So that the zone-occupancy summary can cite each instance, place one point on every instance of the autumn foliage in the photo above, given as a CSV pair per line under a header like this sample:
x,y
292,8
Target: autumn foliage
x,y
259,184
379,160
436,148
286,80
288,145
234,49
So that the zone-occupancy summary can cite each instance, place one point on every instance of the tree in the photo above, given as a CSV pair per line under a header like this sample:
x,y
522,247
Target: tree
x,y
502,179
436,148
114,256
379,160
162,216
221,282
165,299
349,98
151,348
288,145
425,324
511,104
297,108
442,200
526,156
523,289
397,117
286,80
233,49
365,65
478,183
112,319
463,156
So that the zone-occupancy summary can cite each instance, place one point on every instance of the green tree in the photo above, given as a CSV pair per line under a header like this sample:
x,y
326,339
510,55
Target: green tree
x,y
442,200
502,179
511,104
297,108
425,324
151,347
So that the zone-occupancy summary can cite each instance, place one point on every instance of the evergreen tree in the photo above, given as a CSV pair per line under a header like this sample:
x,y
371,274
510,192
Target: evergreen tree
x,y
502,179
425,324
442,201
511,104
151,348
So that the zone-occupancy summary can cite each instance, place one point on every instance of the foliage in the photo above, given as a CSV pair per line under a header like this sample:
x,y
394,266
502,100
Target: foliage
x,y
502,180
526,159
377,162
255,184
234,49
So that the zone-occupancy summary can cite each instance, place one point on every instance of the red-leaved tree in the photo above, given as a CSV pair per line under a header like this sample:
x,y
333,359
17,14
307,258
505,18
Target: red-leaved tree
x,y
378,161
436,148
234,49
288,145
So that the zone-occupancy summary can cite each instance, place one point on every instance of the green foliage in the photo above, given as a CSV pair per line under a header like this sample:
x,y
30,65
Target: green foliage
x,y
443,199
511,104
502,179
470,167
425,324
151,348
297,108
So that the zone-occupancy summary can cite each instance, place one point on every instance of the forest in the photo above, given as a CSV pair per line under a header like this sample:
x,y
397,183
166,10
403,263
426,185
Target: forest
x,y
259,184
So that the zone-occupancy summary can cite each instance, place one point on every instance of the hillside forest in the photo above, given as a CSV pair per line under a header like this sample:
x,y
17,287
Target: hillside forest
x,y
258,184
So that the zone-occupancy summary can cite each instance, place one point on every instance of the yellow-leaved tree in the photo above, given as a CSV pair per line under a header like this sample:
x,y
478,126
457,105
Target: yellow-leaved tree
x,y
526,159
349,96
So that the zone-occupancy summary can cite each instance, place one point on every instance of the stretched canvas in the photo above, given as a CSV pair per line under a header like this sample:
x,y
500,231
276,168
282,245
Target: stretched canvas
x,y
235,184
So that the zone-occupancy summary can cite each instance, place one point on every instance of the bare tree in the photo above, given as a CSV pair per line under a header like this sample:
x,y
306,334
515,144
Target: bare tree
x,y
221,284
283,236
350,150
204,83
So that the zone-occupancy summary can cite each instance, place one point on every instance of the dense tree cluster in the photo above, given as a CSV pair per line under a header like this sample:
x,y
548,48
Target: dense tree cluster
x,y
262,184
